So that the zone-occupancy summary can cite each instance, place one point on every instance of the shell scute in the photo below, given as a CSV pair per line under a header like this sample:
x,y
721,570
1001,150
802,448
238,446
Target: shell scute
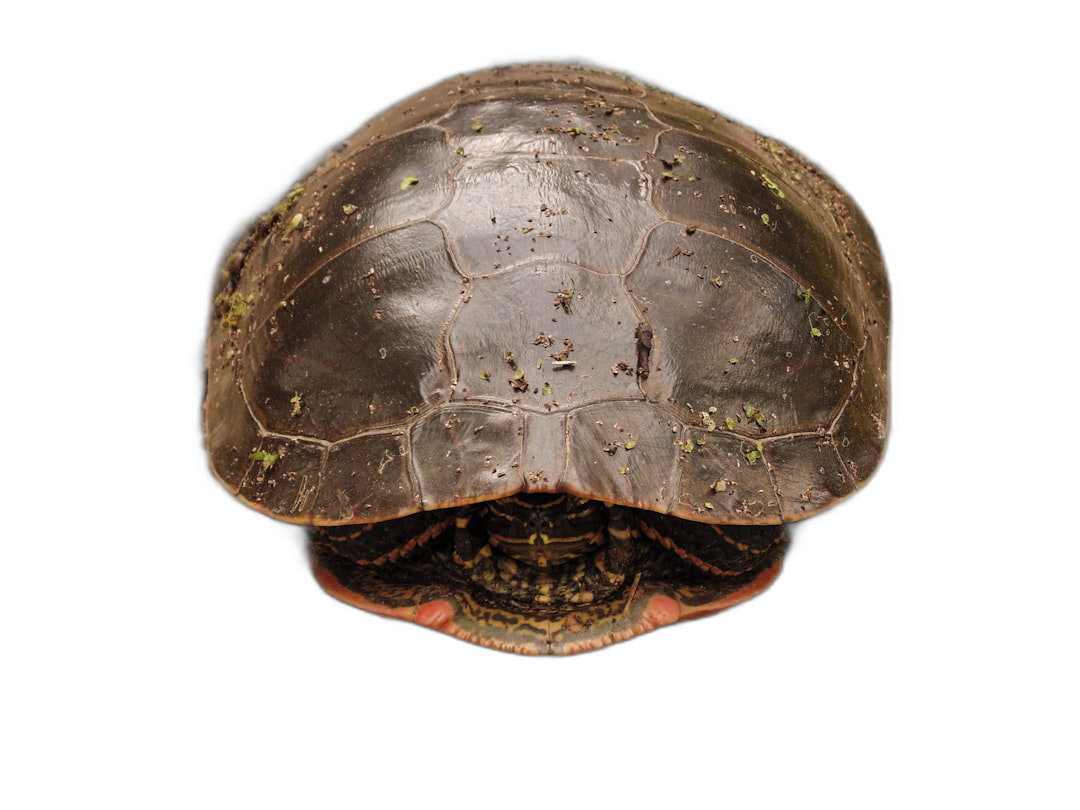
x,y
466,453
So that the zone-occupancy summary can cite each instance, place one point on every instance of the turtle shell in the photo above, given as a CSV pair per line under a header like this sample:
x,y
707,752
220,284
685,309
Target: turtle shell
x,y
546,281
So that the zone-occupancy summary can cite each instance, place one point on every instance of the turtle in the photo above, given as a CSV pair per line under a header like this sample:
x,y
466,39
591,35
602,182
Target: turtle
x,y
547,358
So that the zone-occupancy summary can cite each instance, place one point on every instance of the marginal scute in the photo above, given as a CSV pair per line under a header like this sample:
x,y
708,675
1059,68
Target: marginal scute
x,y
861,429
682,114
283,476
366,479
544,451
231,434
808,473
600,465
720,469
465,454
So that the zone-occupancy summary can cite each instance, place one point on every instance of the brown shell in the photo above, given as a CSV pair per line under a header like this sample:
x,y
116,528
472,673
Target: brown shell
x,y
550,278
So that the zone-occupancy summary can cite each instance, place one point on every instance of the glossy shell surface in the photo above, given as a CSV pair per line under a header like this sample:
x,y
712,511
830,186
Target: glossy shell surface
x,y
359,356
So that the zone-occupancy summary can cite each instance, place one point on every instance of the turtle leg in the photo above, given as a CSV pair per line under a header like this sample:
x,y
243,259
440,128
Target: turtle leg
x,y
374,544
724,551
470,546
619,554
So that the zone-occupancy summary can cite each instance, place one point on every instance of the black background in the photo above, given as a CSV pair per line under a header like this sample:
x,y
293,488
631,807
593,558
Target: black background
x,y
244,610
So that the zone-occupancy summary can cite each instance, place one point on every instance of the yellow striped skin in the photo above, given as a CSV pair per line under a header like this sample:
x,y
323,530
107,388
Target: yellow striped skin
x,y
546,530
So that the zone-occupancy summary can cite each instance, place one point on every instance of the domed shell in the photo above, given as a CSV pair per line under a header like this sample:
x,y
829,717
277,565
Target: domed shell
x,y
551,278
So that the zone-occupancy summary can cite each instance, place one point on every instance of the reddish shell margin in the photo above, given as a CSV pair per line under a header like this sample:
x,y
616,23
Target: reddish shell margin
x,y
649,607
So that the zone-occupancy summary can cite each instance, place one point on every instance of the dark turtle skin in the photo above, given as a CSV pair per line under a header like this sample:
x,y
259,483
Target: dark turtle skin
x,y
547,358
